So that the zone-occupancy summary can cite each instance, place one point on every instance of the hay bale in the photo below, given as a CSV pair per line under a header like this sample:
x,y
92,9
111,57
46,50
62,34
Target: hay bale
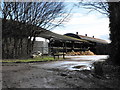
x,y
80,53
90,53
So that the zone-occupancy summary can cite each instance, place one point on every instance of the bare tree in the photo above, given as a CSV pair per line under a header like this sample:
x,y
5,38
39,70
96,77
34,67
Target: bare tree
x,y
45,15
99,6
41,14
112,10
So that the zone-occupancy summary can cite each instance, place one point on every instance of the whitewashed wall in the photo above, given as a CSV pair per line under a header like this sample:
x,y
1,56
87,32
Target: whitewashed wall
x,y
41,46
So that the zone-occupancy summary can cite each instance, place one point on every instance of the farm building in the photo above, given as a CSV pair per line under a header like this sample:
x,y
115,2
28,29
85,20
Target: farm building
x,y
57,42
18,41
73,42
98,46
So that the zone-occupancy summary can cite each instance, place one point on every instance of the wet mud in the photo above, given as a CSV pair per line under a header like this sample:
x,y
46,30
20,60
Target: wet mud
x,y
55,74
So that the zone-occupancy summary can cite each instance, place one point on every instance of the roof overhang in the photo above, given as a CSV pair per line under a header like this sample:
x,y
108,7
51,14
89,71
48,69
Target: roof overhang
x,y
48,35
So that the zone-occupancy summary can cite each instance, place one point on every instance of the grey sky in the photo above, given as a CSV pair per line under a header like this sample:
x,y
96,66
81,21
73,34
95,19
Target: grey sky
x,y
83,22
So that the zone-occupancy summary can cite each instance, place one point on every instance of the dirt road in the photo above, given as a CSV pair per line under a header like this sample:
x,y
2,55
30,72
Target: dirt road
x,y
54,74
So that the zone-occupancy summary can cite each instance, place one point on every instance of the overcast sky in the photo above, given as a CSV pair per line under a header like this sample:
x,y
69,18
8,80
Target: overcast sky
x,y
92,24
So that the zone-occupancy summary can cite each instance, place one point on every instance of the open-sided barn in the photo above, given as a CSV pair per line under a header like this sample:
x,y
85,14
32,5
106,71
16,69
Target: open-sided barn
x,y
73,42
98,46
17,40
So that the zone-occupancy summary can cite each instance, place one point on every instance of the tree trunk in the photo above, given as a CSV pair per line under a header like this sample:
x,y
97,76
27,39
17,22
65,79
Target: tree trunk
x,y
114,8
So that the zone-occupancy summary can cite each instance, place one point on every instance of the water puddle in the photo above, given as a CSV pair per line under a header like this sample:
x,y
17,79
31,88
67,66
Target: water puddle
x,y
81,67
86,62
74,63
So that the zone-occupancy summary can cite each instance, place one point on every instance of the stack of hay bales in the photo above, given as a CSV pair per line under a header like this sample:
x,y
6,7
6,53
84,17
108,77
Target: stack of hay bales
x,y
89,53
80,53
71,53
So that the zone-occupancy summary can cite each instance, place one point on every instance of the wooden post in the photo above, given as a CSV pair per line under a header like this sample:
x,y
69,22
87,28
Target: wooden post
x,y
63,50
72,45
65,47
49,47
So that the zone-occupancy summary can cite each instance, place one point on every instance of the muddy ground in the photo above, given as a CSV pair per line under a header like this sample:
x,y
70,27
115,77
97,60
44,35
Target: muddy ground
x,y
42,75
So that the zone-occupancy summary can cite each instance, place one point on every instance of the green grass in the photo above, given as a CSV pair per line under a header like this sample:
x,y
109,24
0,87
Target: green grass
x,y
40,59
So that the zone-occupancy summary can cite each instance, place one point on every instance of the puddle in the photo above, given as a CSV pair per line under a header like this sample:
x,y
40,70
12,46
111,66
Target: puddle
x,y
78,67
81,67
86,63
74,63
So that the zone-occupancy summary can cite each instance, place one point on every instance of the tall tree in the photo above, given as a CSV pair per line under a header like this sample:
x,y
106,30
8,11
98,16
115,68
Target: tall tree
x,y
44,14
114,16
30,17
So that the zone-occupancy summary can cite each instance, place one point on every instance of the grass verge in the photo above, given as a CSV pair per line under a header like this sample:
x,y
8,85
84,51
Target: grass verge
x,y
38,59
